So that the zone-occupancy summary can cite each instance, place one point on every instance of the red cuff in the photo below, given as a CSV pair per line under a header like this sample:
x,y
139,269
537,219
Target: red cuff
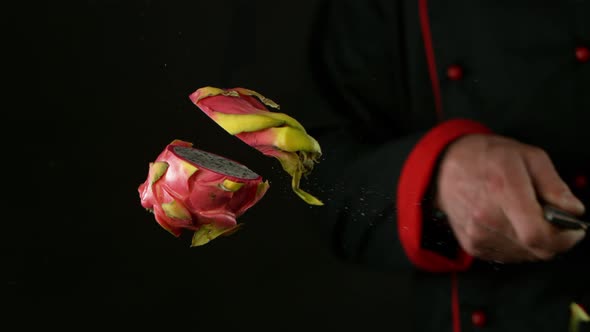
x,y
413,184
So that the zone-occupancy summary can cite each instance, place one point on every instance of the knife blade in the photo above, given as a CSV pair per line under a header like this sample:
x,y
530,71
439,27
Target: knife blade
x,y
563,219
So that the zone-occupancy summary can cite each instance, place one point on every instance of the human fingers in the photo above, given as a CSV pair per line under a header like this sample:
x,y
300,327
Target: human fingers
x,y
487,234
519,203
547,182
490,244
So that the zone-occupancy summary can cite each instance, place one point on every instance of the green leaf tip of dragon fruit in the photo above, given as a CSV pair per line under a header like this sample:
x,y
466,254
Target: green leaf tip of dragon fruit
x,y
243,113
578,316
209,232
157,169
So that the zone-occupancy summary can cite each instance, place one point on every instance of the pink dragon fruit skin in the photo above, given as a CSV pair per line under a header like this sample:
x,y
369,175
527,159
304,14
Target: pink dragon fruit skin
x,y
191,189
243,113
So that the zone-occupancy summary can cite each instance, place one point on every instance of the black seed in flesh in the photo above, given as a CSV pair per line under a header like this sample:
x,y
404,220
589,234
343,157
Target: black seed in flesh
x,y
215,163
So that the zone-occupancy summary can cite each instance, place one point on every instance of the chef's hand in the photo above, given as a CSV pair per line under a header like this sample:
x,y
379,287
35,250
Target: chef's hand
x,y
490,187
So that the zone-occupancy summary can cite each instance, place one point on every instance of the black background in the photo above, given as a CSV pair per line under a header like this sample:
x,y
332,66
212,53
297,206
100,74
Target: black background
x,y
96,90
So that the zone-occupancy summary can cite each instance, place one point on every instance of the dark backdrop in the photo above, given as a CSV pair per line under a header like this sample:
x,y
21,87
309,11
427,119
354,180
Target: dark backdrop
x,y
97,89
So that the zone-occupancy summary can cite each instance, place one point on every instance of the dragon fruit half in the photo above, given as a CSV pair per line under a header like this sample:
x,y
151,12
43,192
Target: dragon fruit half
x,y
191,189
243,113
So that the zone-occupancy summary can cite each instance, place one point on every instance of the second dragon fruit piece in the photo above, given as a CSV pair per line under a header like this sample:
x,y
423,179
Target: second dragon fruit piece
x,y
243,113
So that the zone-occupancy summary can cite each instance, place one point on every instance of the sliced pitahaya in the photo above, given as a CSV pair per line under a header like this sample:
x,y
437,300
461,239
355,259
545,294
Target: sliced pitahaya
x,y
243,113
192,189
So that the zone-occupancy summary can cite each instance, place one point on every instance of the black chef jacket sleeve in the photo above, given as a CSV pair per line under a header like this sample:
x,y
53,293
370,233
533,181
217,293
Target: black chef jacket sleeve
x,y
378,162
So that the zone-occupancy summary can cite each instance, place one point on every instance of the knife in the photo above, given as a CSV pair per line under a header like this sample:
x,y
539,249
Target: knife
x,y
555,216
563,219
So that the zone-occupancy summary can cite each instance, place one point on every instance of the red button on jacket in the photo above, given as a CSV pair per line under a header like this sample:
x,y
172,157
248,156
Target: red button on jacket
x,y
580,181
478,318
454,72
582,54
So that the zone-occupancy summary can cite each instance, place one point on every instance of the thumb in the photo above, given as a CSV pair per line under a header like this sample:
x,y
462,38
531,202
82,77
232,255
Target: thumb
x,y
549,186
